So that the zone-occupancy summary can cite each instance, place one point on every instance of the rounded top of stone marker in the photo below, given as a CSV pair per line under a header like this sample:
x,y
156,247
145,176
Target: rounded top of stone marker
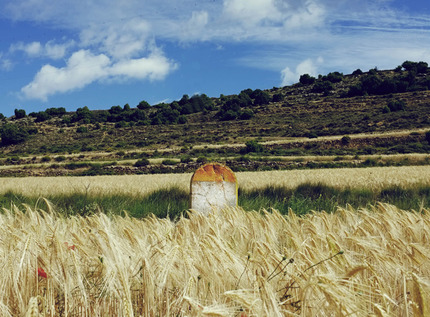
x,y
214,172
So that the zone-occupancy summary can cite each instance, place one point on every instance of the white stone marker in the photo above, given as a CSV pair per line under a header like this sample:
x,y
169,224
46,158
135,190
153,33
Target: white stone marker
x,y
213,186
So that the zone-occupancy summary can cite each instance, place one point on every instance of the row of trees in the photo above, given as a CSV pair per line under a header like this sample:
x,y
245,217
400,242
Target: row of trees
x,y
372,83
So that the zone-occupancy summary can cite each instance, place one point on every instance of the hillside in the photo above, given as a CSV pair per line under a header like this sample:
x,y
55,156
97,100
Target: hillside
x,y
361,114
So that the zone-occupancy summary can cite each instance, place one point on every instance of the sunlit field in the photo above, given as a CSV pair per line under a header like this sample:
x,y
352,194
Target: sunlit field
x,y
372,177
369,262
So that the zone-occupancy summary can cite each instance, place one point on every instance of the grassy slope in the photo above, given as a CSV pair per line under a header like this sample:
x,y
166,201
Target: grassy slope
x,y
283,126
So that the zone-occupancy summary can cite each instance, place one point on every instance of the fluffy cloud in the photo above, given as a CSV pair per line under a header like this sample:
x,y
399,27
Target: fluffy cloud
x,y
84,68
252,11
119,36
307,66
123,39
36,49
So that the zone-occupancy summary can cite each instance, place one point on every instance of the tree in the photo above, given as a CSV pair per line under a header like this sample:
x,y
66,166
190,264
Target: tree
x,y
409,66
306,79
12,134
278,97
358,71
143,105
422,67
56,111
83,114
323,86
244,99
19,113
42,116
334,77
260,97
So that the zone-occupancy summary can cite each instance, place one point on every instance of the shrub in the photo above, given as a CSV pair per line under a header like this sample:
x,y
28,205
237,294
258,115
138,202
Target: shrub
x,y
12,134
334,77
120,124
202,159
19,113
428,136
323,86
246,114
346,140
306,79
358,71
81,129
396,105
278,97
60,158
186,159
254,146
142,162
46,159
169,162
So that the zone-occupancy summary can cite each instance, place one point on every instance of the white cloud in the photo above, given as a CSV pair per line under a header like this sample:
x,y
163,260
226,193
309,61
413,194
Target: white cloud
x,y
307,66
252,11
119,39
36,49
84,68
194,28
347,34
310,15
153,67
5,63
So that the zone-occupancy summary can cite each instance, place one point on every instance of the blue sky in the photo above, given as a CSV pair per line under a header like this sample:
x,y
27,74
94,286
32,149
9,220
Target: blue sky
x,y
101,53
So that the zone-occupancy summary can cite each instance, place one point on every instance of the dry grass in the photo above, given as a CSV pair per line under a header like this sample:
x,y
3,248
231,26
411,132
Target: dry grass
x,y
232,263
373,177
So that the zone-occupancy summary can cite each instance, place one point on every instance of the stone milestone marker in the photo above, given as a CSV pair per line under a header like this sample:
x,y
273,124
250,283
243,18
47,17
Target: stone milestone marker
x,y
213,186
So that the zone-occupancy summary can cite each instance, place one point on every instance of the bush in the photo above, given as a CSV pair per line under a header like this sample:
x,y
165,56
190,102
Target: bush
x,y
246,114
254,146
120,124
358,71
81,129
306,79
142,162
334,77
186,159
202,159
42,116
46,159
169,162
277,97
346,140
396,105
12,134
19,113
323,86
428,137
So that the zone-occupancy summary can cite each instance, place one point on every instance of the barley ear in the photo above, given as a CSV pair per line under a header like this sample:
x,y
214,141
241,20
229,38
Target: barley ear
x,y
33,308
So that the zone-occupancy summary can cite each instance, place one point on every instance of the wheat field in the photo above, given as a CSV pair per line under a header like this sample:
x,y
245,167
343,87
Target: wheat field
x,y
368,262
372,177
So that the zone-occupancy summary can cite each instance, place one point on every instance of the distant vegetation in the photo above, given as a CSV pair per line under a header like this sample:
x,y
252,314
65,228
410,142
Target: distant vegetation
x,y
172,202
236,127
